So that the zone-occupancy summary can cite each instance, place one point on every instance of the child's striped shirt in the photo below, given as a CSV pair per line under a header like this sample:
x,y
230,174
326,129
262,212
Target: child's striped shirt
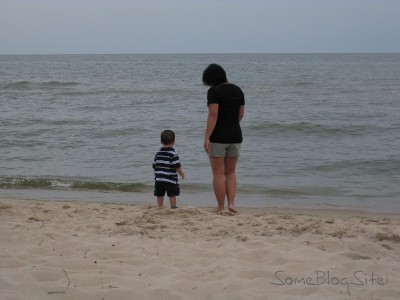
x,y
165,164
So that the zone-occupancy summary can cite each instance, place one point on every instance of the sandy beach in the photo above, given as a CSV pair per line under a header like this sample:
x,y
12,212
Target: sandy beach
x,y
80,250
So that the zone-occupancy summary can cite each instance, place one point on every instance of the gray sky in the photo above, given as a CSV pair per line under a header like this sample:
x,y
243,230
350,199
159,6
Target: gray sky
x,y
198,26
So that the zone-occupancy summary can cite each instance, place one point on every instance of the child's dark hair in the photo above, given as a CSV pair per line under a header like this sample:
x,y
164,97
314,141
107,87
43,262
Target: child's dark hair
x,y
167,137
213,75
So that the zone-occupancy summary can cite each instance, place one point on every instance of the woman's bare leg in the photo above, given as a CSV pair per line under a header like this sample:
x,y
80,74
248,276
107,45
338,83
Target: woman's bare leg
x,y
218,169
230,182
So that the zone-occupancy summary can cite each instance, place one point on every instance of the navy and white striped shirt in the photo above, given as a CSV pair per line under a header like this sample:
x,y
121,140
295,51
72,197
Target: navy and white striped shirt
x,y
165,164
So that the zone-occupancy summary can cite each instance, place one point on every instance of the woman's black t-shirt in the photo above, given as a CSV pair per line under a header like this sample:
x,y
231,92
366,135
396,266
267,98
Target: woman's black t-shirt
x,y
229,98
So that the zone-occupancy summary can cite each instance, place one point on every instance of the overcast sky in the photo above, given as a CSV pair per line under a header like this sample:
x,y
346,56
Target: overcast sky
x,y
198,26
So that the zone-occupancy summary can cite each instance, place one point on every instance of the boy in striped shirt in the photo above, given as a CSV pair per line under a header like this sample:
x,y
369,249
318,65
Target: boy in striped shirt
x,y
166,165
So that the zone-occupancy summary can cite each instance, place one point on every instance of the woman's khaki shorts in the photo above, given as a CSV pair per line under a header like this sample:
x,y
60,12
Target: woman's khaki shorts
x,y
224,150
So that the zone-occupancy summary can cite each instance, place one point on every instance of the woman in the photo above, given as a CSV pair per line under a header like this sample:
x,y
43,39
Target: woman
x,y
223,135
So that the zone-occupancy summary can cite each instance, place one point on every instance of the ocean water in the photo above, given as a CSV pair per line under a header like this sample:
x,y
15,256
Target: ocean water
x,y
320,130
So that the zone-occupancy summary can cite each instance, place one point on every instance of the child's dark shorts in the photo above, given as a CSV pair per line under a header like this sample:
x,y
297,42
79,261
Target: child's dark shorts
x,y
161,187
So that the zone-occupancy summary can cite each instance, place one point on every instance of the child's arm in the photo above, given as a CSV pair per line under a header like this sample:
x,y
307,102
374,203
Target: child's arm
x,y
180,172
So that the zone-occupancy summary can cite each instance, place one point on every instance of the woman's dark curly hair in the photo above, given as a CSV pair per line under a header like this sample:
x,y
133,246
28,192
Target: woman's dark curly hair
x,y
213,75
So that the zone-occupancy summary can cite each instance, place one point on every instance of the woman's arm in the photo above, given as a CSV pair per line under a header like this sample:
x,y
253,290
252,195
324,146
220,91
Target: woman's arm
x,y
211,121
241,113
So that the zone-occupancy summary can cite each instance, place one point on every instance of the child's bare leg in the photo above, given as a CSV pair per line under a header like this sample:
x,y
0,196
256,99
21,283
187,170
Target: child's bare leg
x,y
160,201
172,201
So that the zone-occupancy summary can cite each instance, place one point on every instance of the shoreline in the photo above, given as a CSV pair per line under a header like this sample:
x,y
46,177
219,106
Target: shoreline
x,y
91,250
202,199
321,212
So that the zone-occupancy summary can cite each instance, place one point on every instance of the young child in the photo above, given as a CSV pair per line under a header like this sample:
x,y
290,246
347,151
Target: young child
x,y
166,165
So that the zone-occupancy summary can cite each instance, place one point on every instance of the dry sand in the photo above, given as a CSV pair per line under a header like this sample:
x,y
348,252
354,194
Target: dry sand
x,y
78,250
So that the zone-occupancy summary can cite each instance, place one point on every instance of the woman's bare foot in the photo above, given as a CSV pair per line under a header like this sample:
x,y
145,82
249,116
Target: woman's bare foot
x,y
232,209
218,210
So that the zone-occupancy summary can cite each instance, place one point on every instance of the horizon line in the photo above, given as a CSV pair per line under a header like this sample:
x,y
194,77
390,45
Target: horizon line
x,y
189,53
